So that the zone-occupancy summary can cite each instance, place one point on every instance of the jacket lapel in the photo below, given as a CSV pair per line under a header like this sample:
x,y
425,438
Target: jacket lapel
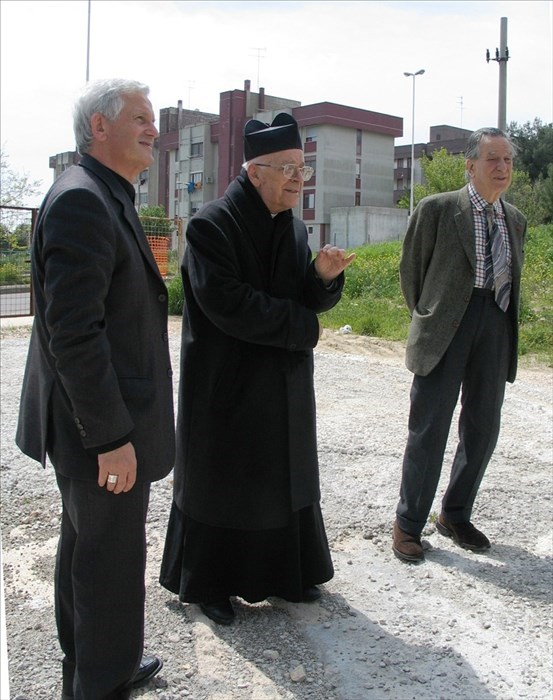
x,y
465,226
129,211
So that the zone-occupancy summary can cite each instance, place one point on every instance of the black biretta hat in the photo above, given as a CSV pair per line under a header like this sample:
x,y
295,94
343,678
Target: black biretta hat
x,y
281,135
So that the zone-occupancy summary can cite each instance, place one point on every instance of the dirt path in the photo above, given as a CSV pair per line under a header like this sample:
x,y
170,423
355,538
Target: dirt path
x,y
476,627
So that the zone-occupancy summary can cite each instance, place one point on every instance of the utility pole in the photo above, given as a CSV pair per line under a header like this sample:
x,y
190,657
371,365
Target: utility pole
x,y
88,44
501,57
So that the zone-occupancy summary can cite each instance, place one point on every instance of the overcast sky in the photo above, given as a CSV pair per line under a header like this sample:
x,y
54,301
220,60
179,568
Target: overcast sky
x,y
351,53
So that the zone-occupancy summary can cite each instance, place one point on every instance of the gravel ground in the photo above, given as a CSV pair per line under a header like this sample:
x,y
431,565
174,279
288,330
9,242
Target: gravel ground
x,y
460,625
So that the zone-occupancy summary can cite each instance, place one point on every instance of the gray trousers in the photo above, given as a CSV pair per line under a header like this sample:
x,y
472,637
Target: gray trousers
x,y
476,363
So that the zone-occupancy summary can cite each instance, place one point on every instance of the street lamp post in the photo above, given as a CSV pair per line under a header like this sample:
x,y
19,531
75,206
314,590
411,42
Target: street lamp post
x,y
411,201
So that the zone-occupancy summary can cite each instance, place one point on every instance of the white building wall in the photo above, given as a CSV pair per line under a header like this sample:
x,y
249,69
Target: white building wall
x,y
335,170
377,171
336,159
351,227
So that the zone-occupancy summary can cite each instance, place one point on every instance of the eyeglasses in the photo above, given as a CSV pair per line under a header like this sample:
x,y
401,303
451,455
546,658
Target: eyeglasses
x,y
290,170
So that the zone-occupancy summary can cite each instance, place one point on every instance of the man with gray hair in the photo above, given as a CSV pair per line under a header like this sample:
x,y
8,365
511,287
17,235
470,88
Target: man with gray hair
x,y
97,396
460,276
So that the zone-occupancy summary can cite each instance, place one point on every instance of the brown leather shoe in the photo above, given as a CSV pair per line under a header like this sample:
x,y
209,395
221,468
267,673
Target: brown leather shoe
x,y
464,534
407,547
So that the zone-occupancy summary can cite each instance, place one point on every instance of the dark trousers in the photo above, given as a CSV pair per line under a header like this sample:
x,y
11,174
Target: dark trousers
x,y
477,362
99,588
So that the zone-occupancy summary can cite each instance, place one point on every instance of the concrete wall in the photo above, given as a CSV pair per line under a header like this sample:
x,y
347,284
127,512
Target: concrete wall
x,y
351,227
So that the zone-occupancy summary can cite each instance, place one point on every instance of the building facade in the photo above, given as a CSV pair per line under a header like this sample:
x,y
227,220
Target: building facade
x,y
351,151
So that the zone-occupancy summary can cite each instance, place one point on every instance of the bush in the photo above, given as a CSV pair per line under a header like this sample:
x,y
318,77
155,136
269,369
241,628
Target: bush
x,y
9,273
536,306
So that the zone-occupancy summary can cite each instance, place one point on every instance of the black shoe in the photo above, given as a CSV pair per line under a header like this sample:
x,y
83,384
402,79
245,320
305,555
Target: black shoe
x,y
464,534
149,667
220,611
311,594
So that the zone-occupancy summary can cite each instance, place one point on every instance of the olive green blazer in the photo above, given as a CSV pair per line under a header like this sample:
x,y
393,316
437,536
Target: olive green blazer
x,y
437,274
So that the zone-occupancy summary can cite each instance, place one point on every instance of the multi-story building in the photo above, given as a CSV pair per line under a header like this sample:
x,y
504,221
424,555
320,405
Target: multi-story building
x,y
61,161
351,151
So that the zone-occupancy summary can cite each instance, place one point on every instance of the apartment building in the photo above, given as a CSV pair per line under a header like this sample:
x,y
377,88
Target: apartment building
x,y
351,151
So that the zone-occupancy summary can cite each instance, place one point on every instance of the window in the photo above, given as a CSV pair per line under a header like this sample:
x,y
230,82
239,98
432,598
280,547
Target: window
x,y
358,168
311,162
310,134
359,139
309,200
196,150
358,199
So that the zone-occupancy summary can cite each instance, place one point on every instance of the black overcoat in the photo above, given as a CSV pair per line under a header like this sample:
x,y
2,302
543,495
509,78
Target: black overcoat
x,y
246,434
98,370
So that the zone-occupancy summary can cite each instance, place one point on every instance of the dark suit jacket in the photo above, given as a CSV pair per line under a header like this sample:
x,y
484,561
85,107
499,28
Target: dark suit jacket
x,y
437,271
98,369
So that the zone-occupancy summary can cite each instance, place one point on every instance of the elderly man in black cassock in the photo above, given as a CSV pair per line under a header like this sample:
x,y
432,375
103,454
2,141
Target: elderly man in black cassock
x,y
246,519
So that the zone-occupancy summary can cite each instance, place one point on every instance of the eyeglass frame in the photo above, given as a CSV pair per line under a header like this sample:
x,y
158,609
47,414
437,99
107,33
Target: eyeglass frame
x,y
303,170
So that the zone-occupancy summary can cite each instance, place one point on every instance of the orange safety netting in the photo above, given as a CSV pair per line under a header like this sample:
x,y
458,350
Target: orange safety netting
x,y
160,248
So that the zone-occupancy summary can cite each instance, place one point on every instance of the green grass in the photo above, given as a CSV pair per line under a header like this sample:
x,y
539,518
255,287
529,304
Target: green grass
x,y
536,308
372,303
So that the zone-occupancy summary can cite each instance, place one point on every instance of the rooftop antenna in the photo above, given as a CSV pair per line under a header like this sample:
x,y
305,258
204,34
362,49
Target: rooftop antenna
x,y
460,102
190,88
259,57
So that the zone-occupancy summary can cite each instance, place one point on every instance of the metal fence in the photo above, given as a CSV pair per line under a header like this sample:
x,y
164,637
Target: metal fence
x,y
16,227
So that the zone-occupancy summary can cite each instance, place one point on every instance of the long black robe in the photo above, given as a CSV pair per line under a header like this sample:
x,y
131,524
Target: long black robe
x,y
246,474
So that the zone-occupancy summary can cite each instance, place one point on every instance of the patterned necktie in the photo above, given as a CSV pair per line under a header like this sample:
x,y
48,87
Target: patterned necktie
x,y
501,275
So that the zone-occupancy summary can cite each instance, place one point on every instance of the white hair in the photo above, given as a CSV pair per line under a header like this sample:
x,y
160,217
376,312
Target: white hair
x,y
105,97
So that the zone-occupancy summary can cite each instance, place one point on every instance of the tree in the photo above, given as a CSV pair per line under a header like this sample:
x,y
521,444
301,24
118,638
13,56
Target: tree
x,y
534,142
526,197
443,172
544,188
15,188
